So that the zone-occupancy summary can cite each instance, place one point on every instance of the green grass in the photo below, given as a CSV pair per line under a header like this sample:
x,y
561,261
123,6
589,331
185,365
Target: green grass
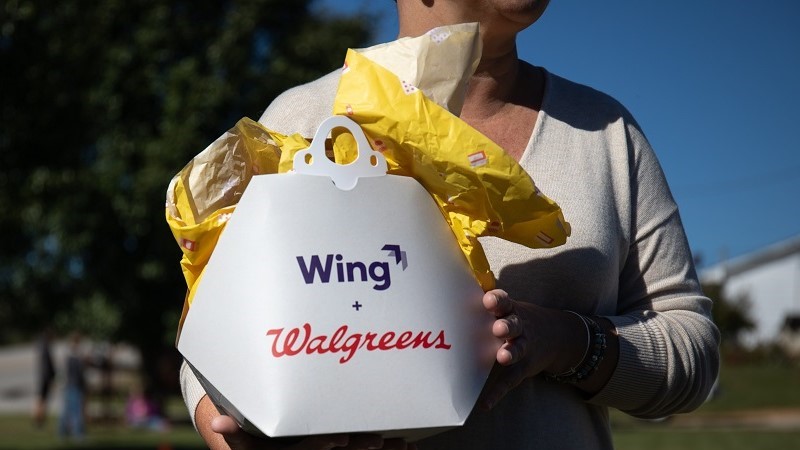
x,y
743,388
750,388
768,385
17,432
668,438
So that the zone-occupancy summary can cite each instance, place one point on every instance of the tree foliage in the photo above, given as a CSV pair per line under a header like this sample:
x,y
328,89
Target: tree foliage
x,y
102,102
731,315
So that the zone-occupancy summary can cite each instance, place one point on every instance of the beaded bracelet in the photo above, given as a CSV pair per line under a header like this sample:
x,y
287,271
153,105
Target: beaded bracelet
x,y
595,350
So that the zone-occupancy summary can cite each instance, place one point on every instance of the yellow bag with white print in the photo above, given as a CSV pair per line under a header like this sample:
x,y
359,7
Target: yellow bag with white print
x,y
204,194
481,190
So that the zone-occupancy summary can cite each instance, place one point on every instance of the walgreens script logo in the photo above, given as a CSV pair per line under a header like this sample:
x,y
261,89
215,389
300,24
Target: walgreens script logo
x,y
303,341
341,271
344,342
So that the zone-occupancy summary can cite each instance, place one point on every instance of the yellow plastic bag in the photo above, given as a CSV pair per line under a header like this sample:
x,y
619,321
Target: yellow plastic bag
x,y
481,190
203,195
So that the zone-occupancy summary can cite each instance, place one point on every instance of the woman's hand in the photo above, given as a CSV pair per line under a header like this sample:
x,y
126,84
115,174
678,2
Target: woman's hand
x,y
222,432
236,438
536,339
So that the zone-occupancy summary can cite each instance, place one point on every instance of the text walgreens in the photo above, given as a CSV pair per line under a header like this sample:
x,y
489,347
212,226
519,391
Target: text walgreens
x,y
297,341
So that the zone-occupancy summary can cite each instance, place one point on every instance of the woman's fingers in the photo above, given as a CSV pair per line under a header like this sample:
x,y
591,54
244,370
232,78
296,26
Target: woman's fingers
x,y
497,302
512,351
234,436
238,439
224,425
509,326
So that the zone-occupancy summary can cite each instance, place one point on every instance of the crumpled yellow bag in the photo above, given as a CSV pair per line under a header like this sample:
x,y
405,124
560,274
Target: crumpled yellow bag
x,y
203,195
480,190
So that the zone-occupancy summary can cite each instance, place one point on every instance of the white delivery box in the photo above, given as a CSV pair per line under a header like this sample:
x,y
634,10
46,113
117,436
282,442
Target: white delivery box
x,y
346,307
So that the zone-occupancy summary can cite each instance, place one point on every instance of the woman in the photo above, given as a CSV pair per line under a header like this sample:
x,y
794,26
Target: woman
x,y
45,374
614,318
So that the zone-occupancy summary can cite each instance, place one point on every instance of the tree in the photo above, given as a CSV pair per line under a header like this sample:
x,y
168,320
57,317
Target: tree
x,y
731,315
102,102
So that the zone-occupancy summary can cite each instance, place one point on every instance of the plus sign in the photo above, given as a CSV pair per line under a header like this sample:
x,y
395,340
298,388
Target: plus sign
x,y
357,305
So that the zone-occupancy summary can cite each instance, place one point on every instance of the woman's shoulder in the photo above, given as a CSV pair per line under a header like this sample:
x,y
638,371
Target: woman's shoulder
x,y
581,105
301,108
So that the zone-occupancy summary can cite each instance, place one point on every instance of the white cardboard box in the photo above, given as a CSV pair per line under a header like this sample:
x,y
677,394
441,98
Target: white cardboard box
x,y
325,310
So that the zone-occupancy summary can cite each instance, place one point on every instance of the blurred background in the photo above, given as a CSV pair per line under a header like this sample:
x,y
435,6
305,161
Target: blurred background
x,y
101,103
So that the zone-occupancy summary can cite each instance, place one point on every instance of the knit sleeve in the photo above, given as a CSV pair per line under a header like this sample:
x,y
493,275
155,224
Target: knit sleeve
x,y
191,390
669,357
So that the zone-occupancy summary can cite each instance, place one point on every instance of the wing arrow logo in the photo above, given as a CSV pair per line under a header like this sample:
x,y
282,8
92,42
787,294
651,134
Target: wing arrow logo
x,y
399,255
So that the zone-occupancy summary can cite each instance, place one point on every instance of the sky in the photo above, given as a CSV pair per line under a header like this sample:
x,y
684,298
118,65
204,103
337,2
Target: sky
x,y
715,86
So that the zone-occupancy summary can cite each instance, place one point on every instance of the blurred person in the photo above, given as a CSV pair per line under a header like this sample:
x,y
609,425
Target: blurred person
x,y
45,374
615,318
102,360
72,421
142,411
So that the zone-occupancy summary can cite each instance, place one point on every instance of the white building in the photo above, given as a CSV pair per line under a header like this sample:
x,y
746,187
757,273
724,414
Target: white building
x,y
770,279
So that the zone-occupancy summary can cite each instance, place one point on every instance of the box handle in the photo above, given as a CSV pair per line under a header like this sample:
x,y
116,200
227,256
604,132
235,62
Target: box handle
x,y
313,161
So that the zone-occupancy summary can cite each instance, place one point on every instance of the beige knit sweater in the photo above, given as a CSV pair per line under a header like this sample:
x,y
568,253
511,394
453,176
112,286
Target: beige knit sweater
x,y
627,259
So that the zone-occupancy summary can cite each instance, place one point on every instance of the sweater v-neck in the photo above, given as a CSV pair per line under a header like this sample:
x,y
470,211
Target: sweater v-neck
x,y
538,126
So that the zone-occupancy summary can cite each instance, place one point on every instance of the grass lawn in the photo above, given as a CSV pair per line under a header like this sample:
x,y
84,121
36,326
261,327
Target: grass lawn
x,y
743,388
669,438
17,432
767,385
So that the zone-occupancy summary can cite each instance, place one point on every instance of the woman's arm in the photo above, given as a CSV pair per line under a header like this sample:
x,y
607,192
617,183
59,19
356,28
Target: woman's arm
x,y
661,356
